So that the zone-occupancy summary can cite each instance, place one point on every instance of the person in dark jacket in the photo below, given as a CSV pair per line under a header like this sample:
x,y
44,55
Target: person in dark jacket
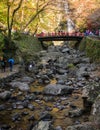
x,y
3,64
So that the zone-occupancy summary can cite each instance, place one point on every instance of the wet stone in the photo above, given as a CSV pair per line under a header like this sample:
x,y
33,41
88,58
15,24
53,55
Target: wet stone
x,y
5,95
46,81
68,83
81,127
72,106
61,107
13,99
40,81
42,125
20,106
58,128
48,108
60,82
25,103
31,107
77,122
24,113
9,109
2,107
16,117
49,98
57,89
75,113
5,127
79,84
32,118
14,106
45,116
30,96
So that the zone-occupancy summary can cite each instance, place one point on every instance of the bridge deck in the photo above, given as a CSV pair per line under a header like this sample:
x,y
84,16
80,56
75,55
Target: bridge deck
x,y
60,38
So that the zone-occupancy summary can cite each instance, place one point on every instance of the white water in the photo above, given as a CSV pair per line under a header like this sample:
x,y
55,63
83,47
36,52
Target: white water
x,y
70,23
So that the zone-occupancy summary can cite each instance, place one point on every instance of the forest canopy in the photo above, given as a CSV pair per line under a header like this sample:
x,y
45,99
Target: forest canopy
x,y
46,15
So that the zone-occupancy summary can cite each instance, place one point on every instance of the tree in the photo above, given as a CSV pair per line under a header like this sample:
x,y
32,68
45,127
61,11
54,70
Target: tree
x,y
24,14
39,15
11,14
94,19
43,13
82,10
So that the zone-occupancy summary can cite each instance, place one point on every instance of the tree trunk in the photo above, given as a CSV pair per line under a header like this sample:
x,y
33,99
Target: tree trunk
x,y
10,19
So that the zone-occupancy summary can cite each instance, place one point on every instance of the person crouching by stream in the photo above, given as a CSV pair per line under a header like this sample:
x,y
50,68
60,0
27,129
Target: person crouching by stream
x,y
3,64
11,63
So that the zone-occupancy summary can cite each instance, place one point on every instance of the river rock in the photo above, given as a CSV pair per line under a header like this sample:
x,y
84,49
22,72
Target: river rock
x,y
45,116
2,107
57,89
42,125
22,86
31,107
82,71
5,95
75,113
27,80
58,128
16,117
80,127
5,127
66,50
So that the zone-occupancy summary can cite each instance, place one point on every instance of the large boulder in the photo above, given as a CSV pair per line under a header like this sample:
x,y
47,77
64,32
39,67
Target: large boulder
x,y
80,127
42,125
57,89
22,86
27,79
90,93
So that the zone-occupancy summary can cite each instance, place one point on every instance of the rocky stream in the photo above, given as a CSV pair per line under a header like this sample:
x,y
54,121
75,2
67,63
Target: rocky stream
x,y
58,92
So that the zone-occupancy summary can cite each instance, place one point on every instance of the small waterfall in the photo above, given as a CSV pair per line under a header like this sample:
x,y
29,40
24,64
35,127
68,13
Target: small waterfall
x,y
63,5
70,23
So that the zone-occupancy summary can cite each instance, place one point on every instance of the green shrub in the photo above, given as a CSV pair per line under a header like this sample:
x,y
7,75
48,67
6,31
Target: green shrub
x,y
71,66
92,47
28,46
1,44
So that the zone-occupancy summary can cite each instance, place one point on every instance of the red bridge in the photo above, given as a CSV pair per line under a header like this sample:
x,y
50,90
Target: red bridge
x,y
60,36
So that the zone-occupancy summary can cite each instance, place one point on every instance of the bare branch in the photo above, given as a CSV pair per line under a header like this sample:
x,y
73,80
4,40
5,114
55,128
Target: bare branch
x,y
10,22
15,10
37,13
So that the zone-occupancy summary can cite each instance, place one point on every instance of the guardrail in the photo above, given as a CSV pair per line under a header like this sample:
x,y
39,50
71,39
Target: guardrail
x,y
42,34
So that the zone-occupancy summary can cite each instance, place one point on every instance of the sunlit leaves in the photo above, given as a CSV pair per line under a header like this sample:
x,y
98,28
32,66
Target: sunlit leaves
x,y
84,11
47,14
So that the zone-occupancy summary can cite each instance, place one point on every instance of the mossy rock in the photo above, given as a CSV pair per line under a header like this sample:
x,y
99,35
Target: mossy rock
x,y
28,47
91,46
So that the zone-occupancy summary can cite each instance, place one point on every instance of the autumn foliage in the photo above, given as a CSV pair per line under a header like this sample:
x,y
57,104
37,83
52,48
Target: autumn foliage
x,y
86,13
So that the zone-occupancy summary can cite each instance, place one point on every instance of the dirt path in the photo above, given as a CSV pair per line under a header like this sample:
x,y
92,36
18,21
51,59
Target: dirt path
x,y
7,72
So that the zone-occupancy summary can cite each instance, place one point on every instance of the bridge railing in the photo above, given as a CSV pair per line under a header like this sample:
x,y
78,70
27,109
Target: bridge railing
x,y
42,34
